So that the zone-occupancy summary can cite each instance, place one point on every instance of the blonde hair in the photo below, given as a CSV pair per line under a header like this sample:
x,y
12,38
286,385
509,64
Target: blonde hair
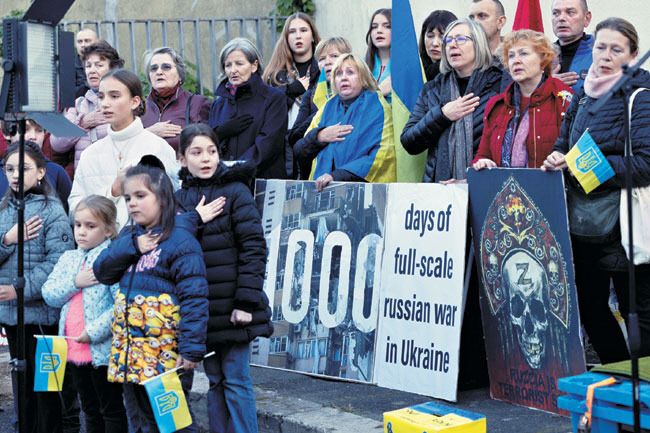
x,y
103,209
282,58
482,53
368,82
338,43
540,43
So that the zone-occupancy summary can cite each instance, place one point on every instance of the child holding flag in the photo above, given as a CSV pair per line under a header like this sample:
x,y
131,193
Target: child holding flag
x,y
47,236
87,311
234,249
161,310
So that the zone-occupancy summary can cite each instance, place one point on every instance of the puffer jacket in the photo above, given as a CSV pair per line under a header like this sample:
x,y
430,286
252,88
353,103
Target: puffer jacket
x,y
607,129
161,309
234,250
41,254
175,111
428,128
82,106
98,300
262,143
546,111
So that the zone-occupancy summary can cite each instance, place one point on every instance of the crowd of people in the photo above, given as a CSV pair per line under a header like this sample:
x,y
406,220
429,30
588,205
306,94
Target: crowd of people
x,y
170,253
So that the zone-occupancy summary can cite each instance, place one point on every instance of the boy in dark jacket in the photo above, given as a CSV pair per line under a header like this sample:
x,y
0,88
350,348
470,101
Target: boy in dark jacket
x,y
234,251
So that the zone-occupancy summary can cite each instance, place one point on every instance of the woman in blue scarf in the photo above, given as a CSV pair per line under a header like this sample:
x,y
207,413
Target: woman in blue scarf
x,y
378,39
351,136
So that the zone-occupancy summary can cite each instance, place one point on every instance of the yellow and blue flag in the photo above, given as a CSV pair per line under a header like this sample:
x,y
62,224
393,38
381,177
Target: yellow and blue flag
x,y
51,357
168,402
320,93
588,164
407,77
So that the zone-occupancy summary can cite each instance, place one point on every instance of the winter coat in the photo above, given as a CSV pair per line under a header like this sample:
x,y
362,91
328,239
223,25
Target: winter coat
x,y
607,129
263,142
99,164
428,128
546,112
175,110
161,309
55,175
82,106
98,300
41,254
234,250
291,92
582,60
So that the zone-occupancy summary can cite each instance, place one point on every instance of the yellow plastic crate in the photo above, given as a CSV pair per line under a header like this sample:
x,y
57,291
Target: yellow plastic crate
x,y
433,417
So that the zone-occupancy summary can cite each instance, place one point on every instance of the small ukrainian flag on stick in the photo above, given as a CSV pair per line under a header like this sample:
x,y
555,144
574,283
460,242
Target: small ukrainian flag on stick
x,y
588,164
321,94
51,357
168,400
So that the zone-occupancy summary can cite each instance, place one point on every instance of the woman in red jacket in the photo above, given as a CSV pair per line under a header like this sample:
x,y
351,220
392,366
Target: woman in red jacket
x,y
523,123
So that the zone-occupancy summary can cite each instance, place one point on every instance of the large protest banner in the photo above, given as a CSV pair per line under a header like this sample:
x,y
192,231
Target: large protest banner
x,y
323,274
528,299
421,302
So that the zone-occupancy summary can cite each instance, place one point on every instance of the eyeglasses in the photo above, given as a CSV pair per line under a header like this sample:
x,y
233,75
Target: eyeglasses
x,y
460,40
10,169
166,67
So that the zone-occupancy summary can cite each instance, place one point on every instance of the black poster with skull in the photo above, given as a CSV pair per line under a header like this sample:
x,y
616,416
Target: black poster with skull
x,y
528,299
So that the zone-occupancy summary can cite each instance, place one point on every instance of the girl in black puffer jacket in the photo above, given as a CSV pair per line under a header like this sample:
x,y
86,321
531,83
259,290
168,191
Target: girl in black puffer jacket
x,y
234,251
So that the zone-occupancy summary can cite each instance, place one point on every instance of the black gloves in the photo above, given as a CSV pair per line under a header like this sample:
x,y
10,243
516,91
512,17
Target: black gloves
x,y
234,127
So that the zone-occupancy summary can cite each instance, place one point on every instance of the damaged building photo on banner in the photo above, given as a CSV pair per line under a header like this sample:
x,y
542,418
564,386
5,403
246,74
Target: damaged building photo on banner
x,y
528,298
323,274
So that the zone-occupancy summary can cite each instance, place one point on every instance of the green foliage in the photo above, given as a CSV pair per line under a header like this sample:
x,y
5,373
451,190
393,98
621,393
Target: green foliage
x,y
16,13
191,83
285,8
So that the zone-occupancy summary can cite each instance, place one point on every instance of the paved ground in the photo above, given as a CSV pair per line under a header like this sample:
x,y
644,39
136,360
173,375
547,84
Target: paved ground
x,y
295,403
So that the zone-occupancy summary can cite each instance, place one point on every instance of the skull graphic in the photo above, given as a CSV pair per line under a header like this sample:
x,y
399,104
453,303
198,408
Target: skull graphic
x,y
525,280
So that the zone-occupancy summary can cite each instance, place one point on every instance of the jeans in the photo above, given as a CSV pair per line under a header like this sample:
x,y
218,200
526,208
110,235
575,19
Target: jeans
x,y
101,400
138,407
231,402
43,411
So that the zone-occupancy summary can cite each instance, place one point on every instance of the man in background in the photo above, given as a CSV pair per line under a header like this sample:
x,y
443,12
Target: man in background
x,y
570,18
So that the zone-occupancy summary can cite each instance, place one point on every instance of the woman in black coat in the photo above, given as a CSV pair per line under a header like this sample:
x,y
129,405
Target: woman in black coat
x,y
447,119
596,238
248,116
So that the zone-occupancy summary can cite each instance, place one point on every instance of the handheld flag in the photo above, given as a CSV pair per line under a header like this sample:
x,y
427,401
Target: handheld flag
x,y
588,164
407,78
168,402
320,93
51,357
528,16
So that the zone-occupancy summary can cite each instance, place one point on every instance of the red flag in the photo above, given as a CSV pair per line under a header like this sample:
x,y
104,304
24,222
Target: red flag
x,y
528,16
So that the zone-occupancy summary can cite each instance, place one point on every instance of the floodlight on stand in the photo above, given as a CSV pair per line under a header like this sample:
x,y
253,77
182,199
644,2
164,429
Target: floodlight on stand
x,y
41,67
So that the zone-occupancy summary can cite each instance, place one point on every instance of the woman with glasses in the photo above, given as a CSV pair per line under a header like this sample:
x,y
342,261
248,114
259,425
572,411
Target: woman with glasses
x,y
522,124
170,107
447,120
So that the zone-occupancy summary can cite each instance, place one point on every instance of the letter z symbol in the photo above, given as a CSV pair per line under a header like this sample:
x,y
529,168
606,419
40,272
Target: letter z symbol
x,y
522,278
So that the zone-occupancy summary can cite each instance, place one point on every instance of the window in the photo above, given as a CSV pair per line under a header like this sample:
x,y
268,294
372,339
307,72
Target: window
x,y
279,344
277,313
291,221
324,200
294,191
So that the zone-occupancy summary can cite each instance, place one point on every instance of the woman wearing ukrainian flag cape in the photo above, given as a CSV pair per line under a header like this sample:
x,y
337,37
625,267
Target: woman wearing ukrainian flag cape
x,y
351,136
